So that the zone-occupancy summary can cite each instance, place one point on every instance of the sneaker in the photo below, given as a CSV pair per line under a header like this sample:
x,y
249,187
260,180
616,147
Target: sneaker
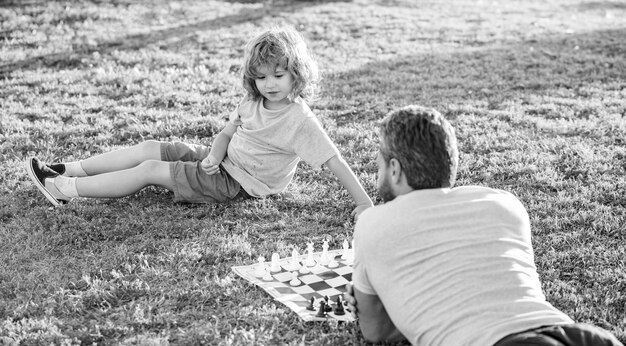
x,y
57,167
42,175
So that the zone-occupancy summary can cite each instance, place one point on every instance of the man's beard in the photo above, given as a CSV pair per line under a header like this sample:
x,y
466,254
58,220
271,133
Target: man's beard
x,y
384,191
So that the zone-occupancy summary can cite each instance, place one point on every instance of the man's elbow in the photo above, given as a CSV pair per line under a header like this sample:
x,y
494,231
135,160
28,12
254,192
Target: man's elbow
x,y
374,335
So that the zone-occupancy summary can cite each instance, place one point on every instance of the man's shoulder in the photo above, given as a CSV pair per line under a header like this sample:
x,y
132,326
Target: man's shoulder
x,y
376,217
477,192
418,200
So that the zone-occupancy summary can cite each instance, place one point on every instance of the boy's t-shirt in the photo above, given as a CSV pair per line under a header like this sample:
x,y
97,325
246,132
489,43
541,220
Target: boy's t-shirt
x,y
452,266
265,150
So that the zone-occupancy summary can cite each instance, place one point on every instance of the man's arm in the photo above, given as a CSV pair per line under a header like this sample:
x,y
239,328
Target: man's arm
x,y
210,164
375,324
342,171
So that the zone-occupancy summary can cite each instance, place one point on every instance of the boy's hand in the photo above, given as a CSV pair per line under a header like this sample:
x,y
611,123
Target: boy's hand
x,y
209,166
358,210
348,297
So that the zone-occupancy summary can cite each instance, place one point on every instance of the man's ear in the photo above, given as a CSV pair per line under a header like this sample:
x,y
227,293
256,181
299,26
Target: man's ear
x,y
396,170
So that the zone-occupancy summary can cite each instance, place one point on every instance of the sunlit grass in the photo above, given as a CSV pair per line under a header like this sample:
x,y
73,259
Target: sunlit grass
x,y
535,90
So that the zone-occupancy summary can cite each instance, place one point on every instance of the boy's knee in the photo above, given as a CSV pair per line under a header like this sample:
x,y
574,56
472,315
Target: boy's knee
x,y
154,171
150,165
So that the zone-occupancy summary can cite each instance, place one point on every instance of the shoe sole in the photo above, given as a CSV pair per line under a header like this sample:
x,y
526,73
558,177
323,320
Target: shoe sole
x,y
40,186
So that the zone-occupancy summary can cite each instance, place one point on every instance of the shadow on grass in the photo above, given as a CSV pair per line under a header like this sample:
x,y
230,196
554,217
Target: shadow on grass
x,y
134,42
602,5
567,65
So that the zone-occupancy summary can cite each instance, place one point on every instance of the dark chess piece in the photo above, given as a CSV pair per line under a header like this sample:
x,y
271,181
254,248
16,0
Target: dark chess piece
x,y
329,308
311,306
322,311
339,310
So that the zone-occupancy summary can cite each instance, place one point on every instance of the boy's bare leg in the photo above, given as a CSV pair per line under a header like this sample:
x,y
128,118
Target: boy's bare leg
x,y
122,158
127,181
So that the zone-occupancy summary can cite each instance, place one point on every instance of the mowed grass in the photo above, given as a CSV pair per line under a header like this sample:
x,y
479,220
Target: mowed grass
x,y
536,91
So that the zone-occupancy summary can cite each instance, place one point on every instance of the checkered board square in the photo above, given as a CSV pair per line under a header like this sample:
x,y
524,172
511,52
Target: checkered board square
x,y
321,281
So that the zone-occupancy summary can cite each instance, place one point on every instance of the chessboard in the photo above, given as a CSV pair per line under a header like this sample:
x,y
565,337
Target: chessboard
x,y
320,286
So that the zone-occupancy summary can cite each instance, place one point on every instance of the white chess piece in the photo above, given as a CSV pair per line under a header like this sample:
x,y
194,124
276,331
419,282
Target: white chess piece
x,y
260,268
268,275
310,261
275,265
324,259
295,264
294,279
304,269
333,263
346,249
350,258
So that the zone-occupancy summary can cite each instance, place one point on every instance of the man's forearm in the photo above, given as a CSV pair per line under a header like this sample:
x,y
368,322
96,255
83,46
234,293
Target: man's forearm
x,y
374,321
379,329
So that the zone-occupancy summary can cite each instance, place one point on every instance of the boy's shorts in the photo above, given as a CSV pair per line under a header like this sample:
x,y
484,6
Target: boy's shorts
x,y
191,183
578,334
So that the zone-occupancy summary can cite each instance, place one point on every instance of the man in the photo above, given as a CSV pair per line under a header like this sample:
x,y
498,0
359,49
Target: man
x,y
448,266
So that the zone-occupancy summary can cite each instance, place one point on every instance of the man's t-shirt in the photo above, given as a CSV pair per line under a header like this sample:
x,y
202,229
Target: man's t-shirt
x,y
452,266
265,150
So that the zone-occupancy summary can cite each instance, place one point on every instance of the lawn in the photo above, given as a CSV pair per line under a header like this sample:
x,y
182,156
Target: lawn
x,y
535,89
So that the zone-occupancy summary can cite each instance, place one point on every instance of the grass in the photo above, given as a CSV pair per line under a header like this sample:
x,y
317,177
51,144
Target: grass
x,y
535,90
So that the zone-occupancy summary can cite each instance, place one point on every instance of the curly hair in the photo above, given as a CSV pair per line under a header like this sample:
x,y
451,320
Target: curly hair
x,y
424,143
283,47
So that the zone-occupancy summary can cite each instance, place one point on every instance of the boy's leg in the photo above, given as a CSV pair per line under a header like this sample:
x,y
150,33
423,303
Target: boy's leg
x,y
122,159
127,181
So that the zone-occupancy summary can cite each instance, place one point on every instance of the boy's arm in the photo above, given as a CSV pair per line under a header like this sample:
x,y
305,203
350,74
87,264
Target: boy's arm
x,y
375,324
342,171
218,149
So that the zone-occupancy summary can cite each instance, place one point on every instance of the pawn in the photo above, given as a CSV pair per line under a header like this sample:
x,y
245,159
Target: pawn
x,y
275,264
304,270
260,268
333,263
339,310
268,275
294,279
322,311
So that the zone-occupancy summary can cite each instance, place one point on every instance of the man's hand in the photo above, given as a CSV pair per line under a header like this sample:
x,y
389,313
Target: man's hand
x,y
348,297
209,166
359,209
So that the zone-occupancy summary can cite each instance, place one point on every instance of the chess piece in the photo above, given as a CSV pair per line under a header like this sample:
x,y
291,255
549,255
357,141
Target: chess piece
x,y
268,275
322,310
275,265
324,259
311,306
294,279
260,268
327,306
346,249
350,256
304,270
295,264
333,263
339,310
310,261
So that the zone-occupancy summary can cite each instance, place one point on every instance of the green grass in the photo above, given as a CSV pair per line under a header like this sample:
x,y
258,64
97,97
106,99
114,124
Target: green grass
x,y
536,91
